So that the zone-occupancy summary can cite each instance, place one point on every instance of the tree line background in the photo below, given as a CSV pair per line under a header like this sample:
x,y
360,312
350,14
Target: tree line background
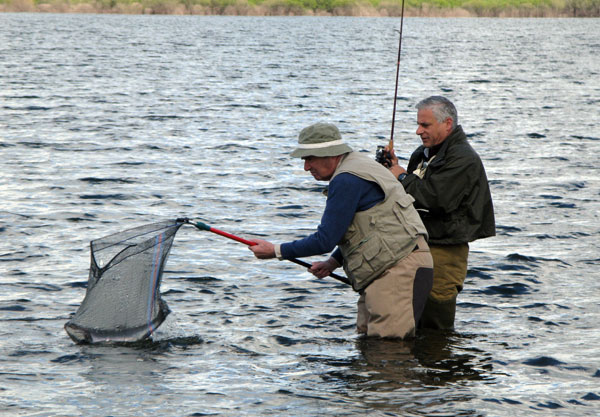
x,y
444,8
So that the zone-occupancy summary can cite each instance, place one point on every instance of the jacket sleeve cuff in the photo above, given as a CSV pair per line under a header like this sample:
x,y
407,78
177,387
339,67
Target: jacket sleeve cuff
x,y
278,252
337,255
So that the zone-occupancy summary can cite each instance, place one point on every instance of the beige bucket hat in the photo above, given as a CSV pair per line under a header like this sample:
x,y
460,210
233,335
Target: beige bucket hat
x,y
320,139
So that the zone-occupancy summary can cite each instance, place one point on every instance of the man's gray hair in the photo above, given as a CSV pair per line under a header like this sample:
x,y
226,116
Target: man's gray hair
x,y
441,107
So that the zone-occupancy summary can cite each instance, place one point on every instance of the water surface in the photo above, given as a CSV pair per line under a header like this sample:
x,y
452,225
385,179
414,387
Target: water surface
x,y
109,122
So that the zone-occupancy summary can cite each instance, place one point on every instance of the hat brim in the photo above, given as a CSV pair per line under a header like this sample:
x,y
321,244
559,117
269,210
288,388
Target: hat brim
x,y
322,152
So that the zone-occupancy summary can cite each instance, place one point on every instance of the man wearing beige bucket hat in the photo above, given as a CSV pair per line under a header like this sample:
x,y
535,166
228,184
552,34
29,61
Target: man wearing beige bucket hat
x,y
380,239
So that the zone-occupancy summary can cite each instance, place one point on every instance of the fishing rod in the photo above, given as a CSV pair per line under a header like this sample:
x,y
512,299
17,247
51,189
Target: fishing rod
x,y
204,226
381,156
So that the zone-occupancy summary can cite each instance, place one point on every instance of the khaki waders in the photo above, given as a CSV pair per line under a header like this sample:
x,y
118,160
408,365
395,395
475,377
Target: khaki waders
x,y
392,304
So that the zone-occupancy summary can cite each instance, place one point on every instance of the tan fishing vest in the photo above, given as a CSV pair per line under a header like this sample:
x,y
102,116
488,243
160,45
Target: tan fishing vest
x,y
384,234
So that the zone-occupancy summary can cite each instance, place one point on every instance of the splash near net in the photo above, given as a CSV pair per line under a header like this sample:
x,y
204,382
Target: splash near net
x,y
122,302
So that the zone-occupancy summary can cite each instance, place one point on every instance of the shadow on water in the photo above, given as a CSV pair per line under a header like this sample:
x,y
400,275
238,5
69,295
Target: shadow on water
x,y
447,358
429,373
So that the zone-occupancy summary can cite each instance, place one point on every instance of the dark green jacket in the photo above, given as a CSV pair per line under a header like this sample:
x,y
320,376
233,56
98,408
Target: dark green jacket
x,y
453,198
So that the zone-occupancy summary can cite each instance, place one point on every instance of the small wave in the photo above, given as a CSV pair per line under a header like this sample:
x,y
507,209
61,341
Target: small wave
x,y
294,299
563,205
78,219
45,287
37,145
291,215
539,320
259,309
28,108
516,257
291,207
248,106
536,135
504,400
161,118
505,230
173,291
287,341
509,401
371,94
95,180
543,361
69,358
536,305
520,258
545,236
479,273
234,147
550,404
27,97
551,196
202,279
125,163
513,267
245,351
472,305
585,137
78,284
15,307
573,186
297,290
107,197
183,341
507,290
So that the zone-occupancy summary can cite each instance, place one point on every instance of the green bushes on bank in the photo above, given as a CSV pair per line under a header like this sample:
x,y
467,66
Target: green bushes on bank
x,y
502,8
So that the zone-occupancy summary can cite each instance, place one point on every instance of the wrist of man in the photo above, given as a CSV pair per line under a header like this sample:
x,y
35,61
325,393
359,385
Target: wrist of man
x,y
333,262
396,170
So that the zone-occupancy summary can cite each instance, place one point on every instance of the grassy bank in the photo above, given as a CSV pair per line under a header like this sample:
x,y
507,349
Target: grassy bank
x,y
446,8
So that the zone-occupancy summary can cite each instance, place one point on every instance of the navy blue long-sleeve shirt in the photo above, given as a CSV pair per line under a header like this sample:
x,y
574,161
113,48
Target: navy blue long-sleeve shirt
x,y
347,195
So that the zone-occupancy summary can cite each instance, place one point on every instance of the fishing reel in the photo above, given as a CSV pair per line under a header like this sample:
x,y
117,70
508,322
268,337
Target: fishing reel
x,y
383,157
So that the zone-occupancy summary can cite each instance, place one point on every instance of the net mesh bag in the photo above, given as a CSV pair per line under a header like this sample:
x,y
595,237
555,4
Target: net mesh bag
x,y
122,301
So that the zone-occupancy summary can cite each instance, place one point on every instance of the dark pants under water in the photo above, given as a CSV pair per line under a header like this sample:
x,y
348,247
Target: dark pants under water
x,y
449,272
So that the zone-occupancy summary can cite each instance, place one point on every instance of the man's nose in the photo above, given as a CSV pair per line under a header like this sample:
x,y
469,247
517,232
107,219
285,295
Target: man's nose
x,y
306,165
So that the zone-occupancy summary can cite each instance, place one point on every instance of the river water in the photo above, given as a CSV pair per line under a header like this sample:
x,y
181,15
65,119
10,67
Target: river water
x,y
109,122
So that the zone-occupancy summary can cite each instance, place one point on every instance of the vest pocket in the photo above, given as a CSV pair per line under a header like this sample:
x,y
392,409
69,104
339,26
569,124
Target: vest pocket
x,y
407,215
368,262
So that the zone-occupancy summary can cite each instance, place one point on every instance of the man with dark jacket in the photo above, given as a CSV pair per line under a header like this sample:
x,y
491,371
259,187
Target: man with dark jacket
x,y
448,182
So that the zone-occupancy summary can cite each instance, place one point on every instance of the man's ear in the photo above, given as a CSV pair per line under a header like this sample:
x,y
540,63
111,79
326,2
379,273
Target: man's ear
x,y
448,122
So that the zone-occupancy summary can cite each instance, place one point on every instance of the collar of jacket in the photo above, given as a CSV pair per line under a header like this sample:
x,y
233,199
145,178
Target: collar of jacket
x,y
457,135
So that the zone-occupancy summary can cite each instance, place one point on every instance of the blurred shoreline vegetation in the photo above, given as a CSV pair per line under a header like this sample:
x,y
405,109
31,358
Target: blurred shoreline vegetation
x,y
413,8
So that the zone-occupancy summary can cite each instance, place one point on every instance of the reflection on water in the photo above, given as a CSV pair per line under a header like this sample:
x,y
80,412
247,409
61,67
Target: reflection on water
x,y
388,374
448,358
441,357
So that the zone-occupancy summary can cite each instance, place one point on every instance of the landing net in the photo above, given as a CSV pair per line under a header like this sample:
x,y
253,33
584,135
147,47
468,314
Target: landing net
x,y
122,301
